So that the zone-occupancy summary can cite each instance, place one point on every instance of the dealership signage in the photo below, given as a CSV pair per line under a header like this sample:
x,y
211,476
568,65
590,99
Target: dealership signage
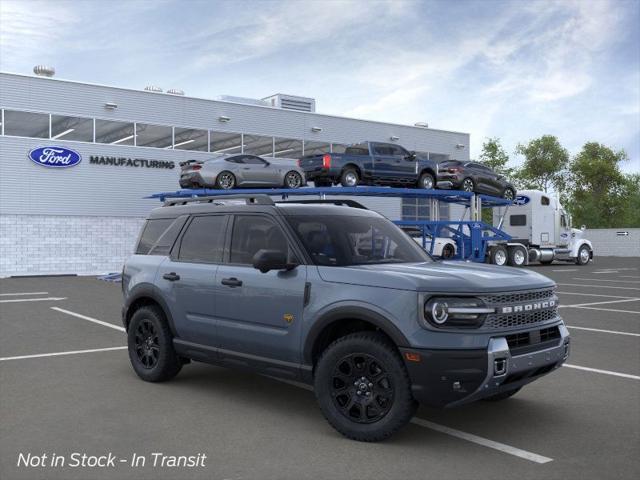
x,y
55,157
130,162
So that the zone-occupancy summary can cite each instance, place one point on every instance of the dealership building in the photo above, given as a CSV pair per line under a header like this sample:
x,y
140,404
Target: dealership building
x,y
85,218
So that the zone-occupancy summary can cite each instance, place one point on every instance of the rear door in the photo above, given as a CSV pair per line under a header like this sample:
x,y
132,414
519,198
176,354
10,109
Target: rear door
x,y
259,315
187,278
383,161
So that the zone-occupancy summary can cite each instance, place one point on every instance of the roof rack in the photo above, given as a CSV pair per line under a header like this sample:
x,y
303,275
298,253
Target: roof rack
x,y
337,201
221,200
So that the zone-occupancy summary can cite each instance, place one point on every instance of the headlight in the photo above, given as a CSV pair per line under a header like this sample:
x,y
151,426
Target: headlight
x,y
454,312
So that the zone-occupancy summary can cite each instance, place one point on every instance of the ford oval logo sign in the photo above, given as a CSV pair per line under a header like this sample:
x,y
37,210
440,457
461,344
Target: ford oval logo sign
x,y
521,200
55,157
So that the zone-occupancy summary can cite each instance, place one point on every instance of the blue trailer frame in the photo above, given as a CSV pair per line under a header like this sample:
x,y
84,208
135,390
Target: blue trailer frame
x,y
472,237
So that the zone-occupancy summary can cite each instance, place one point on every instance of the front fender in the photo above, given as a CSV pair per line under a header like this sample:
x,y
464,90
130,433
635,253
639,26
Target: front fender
x,y
579,243
358,311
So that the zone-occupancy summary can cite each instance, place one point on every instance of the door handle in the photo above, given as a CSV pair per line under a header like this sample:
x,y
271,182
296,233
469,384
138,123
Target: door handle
x,y
172,277
231,282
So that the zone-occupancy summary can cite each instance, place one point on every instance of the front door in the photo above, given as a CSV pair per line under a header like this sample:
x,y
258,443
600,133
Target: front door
x,y
258,171
187,278
259,315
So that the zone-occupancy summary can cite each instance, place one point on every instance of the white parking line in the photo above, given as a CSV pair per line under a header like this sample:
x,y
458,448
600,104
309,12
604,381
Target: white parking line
x,y
22,293
611,281
469,437
629,276
89,319
47,299
592,295
604,331
599,303
606,372
610,310
597,286
607,271
567,270
56,354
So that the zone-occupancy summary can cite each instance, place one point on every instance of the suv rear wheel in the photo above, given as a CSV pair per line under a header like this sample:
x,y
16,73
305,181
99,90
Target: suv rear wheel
x,y
363,388
150,346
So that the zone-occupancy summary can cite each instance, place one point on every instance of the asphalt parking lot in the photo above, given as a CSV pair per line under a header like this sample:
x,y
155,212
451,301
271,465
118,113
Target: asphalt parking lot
x,y
66,386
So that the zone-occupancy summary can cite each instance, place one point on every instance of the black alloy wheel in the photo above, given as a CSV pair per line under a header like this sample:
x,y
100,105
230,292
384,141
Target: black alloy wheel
x,y
361,389
226,180
467,185
146,341
508,194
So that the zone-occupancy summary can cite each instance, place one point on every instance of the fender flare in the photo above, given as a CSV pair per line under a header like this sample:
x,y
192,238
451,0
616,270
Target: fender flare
x,y
350,312
146,290
580,243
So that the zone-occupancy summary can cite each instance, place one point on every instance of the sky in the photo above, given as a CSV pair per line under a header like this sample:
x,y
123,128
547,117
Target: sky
x,y
515,70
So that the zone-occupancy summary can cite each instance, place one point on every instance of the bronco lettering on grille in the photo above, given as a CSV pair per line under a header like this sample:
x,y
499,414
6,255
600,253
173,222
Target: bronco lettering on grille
x,y
528,307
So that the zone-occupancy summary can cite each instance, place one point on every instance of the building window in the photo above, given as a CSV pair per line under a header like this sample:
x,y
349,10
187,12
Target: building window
x,y
115,133
419,209
316,148
227,143
258,145
71,128
287,148
26,124
156,136
191,139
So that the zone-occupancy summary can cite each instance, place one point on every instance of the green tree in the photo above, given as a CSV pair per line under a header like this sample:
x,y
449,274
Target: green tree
x,y
494,156
544,165
599,194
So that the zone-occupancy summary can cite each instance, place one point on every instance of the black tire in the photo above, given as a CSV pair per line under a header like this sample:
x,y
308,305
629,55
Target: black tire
x,y
517,257
348,176
376,366
468,185
448,251
293,180
427,181
150,345
584,255
509,194
502,396
499,255
225,180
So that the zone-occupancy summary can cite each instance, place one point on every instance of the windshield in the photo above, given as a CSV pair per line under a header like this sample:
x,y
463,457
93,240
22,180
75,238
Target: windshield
x,y
342,241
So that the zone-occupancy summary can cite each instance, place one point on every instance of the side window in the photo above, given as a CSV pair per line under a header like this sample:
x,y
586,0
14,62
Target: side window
x,y
238,159
163,245
203,241
152,231
253,160
398,151
563,221
544,201
518,220
252,233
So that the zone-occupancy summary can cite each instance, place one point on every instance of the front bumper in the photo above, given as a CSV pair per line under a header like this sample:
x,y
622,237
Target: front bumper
x,y
449,378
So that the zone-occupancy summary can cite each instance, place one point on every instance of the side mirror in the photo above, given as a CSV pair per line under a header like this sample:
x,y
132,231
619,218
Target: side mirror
x,y
411,156
265,260
583,227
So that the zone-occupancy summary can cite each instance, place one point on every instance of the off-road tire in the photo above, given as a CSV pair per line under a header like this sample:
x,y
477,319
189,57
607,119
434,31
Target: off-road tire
x,y
167,364
502,396
380,355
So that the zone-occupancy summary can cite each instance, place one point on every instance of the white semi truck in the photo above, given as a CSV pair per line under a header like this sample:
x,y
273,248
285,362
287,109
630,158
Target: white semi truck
x,y
541,231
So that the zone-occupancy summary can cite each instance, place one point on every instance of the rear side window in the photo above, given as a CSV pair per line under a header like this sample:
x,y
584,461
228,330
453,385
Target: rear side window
x,y
359,149
518,220
203,240
151,233
168,238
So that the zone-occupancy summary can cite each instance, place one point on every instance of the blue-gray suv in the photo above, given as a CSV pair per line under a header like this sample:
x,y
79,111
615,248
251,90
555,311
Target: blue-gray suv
x,y
338,297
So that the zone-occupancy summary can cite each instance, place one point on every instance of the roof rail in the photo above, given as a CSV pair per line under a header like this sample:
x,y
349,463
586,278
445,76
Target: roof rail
x,y
337,201
220,200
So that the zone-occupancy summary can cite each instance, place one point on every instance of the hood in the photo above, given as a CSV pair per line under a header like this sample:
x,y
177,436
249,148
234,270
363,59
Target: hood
x,y
447,276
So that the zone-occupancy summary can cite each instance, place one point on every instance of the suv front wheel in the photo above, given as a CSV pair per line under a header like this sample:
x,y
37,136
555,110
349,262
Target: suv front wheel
x,y
363,388
150,346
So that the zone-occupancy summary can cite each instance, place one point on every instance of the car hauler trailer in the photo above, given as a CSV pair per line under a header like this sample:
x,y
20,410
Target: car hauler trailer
x,y
471,237
540,231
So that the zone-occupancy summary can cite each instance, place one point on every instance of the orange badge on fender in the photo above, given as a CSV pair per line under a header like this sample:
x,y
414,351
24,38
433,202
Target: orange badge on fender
x,y
288,317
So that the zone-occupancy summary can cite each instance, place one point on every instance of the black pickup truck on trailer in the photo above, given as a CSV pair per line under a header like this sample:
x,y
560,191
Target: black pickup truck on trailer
x,y
371,163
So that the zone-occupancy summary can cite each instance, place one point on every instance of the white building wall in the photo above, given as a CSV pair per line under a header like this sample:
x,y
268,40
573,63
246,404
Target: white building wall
x,y
613,242
80,245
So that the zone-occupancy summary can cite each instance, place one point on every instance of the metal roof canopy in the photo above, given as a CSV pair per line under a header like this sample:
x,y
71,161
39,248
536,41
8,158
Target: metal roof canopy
x,y
449,196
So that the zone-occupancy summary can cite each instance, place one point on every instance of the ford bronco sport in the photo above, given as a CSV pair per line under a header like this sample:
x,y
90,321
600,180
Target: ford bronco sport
x,y
338,297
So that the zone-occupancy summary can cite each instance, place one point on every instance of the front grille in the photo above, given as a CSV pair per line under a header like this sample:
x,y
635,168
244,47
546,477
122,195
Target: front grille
x,y
496,321
518,297
505,321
